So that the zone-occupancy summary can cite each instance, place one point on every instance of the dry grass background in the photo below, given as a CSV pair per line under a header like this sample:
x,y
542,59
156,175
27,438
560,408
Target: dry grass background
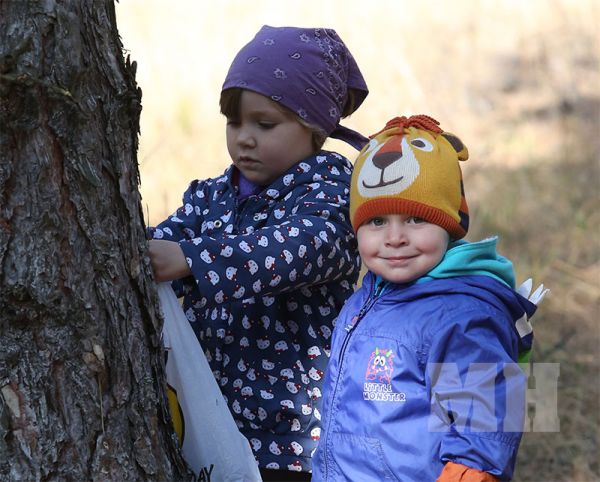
x,y
519,81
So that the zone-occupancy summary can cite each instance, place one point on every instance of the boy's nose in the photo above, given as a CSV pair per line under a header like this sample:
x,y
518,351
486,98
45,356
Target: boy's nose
x,y
396,235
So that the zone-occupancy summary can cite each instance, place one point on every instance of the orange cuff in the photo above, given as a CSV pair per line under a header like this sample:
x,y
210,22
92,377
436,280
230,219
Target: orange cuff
x,y
454,472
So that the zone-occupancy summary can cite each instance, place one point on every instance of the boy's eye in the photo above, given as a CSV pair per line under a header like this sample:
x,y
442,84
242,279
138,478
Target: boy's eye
x,y
377,221
232,122
415,220
266,124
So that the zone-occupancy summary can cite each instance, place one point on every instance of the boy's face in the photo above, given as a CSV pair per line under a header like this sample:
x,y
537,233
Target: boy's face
x,y
264,141
401,248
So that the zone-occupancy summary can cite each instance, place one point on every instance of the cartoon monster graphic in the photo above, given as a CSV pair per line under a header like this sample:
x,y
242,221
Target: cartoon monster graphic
x,y
380,366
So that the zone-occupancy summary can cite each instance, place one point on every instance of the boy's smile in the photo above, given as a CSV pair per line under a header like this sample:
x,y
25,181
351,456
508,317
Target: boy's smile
x,y
401,248
265,140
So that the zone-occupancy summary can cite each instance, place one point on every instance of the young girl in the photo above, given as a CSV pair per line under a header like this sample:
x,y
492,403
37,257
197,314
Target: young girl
x,y
264,255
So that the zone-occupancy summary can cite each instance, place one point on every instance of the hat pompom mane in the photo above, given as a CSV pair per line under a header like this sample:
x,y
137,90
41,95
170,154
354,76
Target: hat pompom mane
x,y
420,121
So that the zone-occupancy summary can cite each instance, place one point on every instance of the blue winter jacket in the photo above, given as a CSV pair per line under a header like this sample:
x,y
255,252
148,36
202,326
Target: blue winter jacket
x,y
425,373
270,274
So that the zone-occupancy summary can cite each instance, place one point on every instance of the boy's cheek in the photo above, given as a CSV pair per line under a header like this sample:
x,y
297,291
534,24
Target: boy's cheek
x,y
362,237
367,243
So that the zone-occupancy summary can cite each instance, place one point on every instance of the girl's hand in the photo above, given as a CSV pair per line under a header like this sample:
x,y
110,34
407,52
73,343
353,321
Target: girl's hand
x,y
168,260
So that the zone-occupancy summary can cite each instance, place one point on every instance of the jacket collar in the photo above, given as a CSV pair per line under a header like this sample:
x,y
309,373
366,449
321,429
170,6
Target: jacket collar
x,y
317,167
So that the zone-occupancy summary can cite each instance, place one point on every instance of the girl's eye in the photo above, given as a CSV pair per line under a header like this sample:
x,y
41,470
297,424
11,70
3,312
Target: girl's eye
x,y
422,144
377,221
232,122
415,220
266,124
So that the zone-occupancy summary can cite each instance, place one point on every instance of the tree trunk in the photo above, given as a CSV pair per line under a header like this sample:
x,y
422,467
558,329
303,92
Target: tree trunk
x,y
81,375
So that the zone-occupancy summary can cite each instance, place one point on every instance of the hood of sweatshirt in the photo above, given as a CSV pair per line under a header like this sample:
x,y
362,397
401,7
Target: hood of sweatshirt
x,y
482,273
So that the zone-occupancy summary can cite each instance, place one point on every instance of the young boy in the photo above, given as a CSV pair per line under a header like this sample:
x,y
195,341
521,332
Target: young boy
x,y
422,381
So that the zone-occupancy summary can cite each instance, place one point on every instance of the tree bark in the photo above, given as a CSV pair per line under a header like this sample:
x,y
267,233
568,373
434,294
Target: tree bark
x,y
81,375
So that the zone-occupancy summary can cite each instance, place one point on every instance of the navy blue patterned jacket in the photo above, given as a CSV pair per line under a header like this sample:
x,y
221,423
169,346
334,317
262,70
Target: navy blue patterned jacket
x,y
270,275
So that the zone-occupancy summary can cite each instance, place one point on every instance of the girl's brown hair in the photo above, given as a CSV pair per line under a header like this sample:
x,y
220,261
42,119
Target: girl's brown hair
x,y
230,107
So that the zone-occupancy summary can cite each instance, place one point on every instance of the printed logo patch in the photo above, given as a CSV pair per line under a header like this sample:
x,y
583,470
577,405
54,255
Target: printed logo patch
x,y
378,378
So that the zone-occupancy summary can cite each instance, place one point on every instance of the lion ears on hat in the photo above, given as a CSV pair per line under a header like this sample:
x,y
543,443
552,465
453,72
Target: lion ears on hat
x,y
427,123
461,150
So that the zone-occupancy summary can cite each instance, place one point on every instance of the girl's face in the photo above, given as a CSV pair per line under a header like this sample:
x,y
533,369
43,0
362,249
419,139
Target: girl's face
x,y
401,248
264,141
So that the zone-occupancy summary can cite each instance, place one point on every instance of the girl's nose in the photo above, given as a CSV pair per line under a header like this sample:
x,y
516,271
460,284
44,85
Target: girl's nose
x,y
246,138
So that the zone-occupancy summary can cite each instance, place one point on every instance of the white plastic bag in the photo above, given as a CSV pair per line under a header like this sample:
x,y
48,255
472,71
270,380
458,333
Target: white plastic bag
x,y
212,445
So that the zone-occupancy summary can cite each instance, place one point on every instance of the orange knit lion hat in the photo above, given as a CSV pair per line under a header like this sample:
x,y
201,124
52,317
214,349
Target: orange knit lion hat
x,y
411,167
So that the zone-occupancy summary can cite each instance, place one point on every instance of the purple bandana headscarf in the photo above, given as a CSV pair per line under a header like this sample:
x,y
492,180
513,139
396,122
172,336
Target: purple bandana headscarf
x,y
307,70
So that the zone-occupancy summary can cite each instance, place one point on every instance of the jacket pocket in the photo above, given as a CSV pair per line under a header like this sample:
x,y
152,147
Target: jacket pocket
x,y
354,457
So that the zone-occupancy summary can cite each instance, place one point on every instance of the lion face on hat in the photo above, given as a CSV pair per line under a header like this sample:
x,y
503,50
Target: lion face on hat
x,y
411,167
390,165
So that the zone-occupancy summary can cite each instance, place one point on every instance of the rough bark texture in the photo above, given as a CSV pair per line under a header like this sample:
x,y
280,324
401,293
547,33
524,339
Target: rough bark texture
x,y
81,379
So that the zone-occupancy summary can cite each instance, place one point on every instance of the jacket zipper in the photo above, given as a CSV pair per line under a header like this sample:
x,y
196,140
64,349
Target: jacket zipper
x,y
241,211
376,293
237,213
350,327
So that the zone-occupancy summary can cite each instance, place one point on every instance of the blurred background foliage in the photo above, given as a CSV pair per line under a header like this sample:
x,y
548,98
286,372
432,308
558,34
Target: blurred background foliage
x,y
518,81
